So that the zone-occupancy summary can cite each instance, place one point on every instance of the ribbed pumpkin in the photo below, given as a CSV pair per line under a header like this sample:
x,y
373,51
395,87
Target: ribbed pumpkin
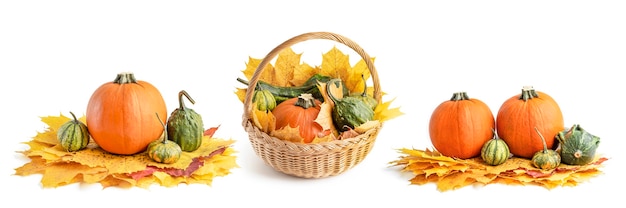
x,y
299,112
185,126
545,159
73,135
264,100
165,150
459,127
120,115
521,113
495,151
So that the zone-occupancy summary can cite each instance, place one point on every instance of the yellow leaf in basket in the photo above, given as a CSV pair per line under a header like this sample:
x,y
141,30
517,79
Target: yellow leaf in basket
x,y
264,120
302,73
336,64
324,117
355,82
382,112
288,133
286,63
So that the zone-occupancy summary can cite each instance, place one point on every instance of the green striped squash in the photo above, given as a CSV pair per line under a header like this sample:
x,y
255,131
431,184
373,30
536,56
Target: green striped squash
x,y
73,135
546,159
185,126
495,151
164,151
264,100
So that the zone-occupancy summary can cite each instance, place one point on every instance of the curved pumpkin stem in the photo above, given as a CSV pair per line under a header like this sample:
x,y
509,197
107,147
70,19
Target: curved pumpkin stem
x,y
164,128
180,99
543,141
528,92
73,116
364,94
338,84
125,78
459,96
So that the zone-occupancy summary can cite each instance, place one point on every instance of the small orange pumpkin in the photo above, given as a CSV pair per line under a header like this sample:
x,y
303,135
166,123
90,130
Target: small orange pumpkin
x,y
459,127
299,112
519,115
120,115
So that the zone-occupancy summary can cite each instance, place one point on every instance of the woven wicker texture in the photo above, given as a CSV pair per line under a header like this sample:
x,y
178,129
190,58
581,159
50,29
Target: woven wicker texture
x,y
310,160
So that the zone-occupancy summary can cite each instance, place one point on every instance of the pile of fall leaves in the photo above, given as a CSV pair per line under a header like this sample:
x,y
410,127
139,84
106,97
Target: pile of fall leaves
x,y
214,158
449,173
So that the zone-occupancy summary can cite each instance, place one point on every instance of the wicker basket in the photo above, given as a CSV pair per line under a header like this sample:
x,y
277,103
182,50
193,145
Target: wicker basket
x,y
310,160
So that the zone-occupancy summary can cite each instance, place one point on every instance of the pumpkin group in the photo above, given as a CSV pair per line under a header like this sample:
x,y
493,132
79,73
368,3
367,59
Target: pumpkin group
x,y
519,114
120,115
459,127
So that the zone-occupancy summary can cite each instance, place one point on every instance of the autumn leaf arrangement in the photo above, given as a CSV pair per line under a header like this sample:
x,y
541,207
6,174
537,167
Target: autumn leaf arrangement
x,y
524,144
128,142
313,114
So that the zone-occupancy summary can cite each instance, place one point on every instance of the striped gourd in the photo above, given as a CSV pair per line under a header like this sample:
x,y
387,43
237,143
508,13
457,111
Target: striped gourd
x,y
546,159
495,151
164,150
185,126
73,135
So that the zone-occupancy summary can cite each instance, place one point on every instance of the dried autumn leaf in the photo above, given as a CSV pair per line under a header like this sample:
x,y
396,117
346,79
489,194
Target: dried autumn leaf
x,y
93,165
450,173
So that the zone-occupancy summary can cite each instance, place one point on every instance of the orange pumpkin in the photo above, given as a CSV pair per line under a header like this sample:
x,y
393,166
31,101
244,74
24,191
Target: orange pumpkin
x,y
299,112
120,115
459,127
519,115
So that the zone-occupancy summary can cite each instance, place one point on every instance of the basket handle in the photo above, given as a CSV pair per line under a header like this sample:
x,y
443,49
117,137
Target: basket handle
x,y
304,37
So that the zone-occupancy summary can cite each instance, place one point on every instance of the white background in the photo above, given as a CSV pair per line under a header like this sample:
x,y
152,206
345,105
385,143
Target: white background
x,y
54,54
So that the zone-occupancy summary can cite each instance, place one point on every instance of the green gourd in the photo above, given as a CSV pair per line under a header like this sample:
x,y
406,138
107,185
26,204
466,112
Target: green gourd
x,y
164,150
284,93
367,99
73,135
495,151
264,100
545,159
348,111
185,126
577,146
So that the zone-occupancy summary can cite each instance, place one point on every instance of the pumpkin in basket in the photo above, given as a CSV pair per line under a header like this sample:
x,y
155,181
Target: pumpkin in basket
x,y
300,112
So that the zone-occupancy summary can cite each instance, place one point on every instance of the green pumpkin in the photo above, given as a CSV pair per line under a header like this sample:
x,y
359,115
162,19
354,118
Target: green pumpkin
x,y
577,146
367,99
264,100
164,150
545,159
348,111
495,151
73,135
185,126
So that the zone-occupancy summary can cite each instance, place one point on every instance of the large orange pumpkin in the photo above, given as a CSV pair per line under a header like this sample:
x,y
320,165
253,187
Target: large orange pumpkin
x,y
121,115
299,112
459,127
519,115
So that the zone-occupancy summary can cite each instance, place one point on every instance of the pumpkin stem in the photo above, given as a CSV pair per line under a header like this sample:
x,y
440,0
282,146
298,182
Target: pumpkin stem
x,y
528,92
364,94
125,78
545,147
164,128
73,116
459,96
305,101
338,84
181,103
495,135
